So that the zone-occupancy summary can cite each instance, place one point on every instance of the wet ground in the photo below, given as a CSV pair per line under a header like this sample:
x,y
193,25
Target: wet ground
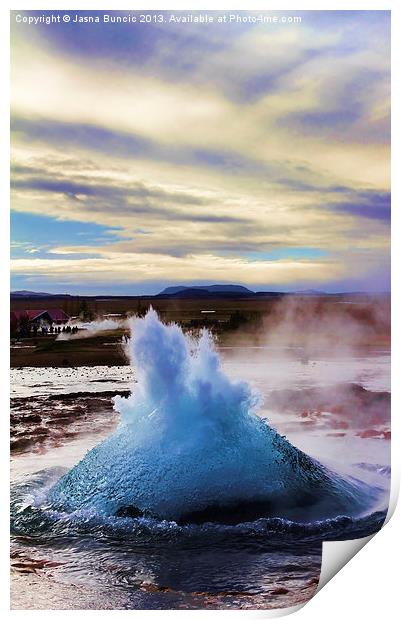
x,y
336,410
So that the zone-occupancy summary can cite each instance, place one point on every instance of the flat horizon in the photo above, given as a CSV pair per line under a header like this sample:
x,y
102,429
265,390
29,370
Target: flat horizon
x,y
265,290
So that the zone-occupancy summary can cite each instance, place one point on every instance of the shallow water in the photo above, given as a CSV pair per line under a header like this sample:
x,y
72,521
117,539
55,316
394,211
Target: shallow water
x,y
83,561
283,368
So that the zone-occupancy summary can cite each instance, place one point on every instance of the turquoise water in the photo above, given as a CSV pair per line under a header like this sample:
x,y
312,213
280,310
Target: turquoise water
x,y
230,514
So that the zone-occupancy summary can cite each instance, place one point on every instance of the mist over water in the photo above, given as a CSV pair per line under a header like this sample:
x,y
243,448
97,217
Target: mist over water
x,y
191,447
324,326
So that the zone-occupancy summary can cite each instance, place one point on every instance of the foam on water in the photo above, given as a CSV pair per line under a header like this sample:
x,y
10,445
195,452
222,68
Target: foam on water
x,y
191,447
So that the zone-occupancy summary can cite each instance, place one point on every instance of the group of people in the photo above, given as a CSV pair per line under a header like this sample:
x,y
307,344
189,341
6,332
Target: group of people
x,y
44,329
68,329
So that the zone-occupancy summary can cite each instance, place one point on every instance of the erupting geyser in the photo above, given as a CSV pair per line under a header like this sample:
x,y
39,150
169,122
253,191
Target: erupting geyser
x,y
191,448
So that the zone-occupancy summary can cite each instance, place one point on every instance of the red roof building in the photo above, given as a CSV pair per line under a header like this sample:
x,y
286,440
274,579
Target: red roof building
x,y
53,315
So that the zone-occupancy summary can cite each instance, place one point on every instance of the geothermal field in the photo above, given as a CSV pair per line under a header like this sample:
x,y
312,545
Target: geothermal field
x,y
197,468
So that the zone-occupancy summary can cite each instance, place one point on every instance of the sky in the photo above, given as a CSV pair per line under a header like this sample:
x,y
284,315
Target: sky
x,y
148,155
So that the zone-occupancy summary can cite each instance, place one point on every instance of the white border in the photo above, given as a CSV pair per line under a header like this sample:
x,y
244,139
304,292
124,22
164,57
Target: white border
x,y
367,585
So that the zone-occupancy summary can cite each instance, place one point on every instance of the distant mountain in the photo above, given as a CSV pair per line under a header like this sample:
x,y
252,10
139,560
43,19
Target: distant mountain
x,y
172,290
30,294
205,291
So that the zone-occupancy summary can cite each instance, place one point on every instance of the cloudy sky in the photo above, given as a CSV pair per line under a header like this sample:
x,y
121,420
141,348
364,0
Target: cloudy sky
x,y
145,155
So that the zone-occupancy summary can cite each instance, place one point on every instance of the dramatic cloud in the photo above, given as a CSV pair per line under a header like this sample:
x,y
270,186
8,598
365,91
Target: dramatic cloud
x,y
162,152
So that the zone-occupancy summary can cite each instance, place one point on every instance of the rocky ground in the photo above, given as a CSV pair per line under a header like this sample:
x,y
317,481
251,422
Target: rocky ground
x,y
45,422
